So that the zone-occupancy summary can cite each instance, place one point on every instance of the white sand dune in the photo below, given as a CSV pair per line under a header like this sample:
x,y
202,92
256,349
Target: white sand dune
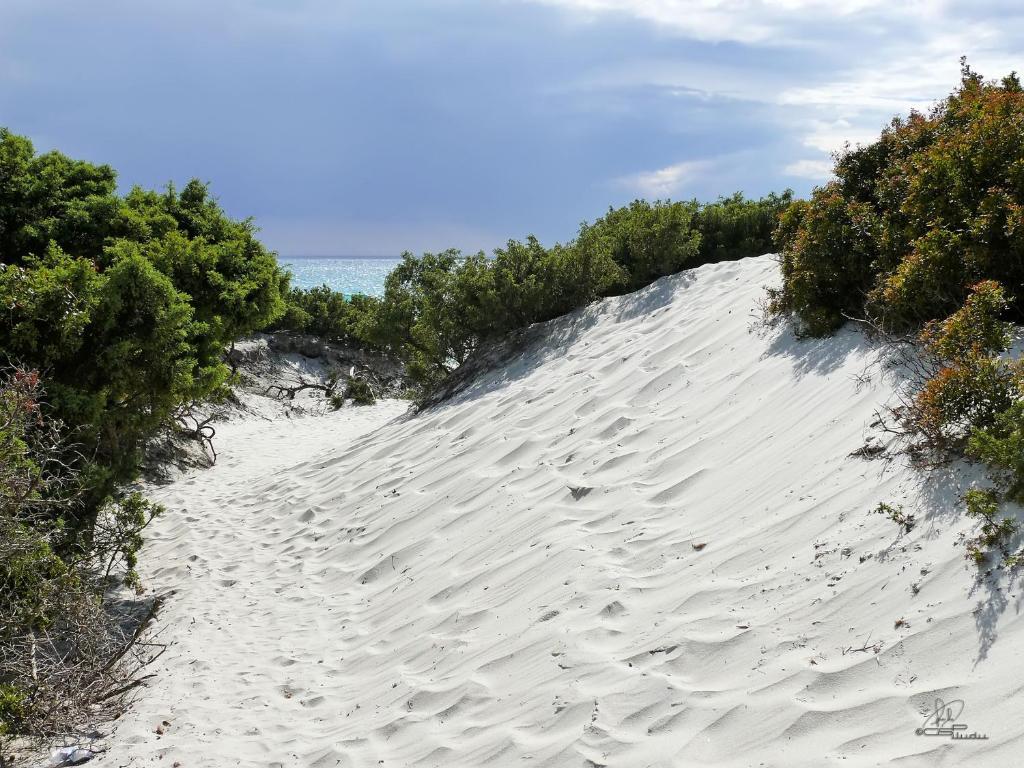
x,y
641,543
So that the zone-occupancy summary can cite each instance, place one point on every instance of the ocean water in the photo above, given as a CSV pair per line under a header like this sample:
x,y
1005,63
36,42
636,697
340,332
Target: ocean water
x,y
348,275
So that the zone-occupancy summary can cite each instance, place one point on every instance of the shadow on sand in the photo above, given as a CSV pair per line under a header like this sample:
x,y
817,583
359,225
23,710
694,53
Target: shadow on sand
x,y
818,356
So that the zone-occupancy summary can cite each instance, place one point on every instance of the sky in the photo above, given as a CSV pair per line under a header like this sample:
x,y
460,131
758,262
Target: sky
x,y
346,127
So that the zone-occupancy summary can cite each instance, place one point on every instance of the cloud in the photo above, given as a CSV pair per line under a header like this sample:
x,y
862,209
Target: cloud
x,y
815,170
832,136
742,21
664,182
370,127
853,104
829,71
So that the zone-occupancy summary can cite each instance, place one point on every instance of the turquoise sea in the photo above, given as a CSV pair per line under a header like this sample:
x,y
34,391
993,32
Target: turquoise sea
x,y
341,273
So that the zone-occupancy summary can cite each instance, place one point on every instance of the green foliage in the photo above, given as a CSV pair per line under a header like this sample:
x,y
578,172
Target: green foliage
x,y
916,218
827,252
1000,445
438,308
970,386
125,303
117,536
22,480
326,313
234,285
974,329
520,286
14,708
995,533
59,650
359,392
52,198
427,313
963,397
926,223
645,240
32,575
49,301
733,227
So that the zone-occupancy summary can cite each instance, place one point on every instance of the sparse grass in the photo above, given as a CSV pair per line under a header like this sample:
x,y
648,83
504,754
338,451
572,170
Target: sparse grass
x,y
896,513
359,392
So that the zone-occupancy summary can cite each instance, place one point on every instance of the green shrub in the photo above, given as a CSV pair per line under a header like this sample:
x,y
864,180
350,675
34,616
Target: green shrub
x,y
995,533
326,313
733,227
961,398
14,709
1000,445
929,282
969,385
426,317
914,219
974,329
437,309
61,654
827,251
645,240
359,392
117,536
32,575
32,578
126,303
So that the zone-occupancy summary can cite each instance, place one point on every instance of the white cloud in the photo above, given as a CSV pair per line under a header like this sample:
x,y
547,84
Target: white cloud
x,y
664,182
815,170
840,70
832,136
744,21
854,104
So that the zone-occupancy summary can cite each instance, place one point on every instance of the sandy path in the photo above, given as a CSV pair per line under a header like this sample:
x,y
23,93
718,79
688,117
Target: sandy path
x,y
643,543
228,566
